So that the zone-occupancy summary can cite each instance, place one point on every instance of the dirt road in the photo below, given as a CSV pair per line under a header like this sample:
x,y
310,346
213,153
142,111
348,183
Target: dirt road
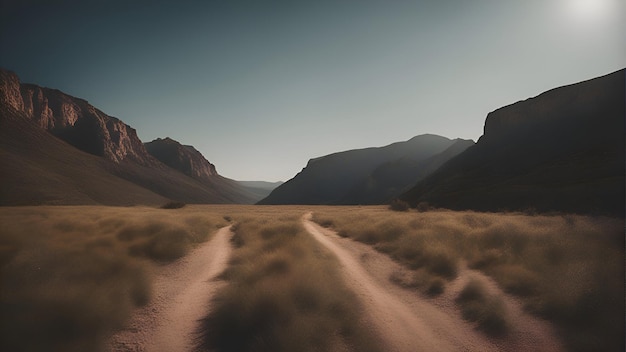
x,y
407,321
181,294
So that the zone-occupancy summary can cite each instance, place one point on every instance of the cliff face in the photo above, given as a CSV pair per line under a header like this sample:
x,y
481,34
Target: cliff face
x,y
75,121
572,110
10,95
562,150
58,149
189,161
183,158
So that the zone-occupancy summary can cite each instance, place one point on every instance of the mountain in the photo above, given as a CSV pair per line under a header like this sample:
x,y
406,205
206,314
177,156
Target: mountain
x,y
189,161
560,151
183,158
395,177
344,177
38,168
75,121
58,149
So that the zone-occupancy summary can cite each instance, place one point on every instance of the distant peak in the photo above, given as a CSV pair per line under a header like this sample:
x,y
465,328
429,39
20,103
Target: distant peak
x,y
428,136
164,140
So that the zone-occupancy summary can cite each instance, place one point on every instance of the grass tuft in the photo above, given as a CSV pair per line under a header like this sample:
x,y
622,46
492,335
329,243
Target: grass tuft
x,y
173,205
568,269
284,294
487,311
399,205
423,207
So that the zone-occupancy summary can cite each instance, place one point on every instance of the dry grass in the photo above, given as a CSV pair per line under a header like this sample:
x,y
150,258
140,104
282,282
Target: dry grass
x,y
568,269
72,275
284,292
486,310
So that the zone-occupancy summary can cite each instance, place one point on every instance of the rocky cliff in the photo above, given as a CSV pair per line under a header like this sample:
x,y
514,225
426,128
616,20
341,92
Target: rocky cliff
x,y
557,107
562,150
58,149
183,158
75,121
189,161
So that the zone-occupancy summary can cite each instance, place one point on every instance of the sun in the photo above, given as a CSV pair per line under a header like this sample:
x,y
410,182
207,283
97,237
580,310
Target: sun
x,y
589,11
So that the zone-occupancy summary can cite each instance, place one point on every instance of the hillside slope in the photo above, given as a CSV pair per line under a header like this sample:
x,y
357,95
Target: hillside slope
x,y
332,179
38,168
58,149
393,178
560,151
189,161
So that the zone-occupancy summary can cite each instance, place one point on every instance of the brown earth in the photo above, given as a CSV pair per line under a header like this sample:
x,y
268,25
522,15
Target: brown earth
x,y
181,295
407,321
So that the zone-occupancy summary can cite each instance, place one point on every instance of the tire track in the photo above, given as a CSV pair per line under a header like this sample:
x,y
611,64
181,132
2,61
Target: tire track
x,y
406,321
181,291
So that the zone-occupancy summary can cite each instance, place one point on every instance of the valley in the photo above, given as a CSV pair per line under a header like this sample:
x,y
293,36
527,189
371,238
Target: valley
x,y
389,281
514,242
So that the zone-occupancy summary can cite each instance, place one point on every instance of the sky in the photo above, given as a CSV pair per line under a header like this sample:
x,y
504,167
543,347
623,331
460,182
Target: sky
x,y
260,87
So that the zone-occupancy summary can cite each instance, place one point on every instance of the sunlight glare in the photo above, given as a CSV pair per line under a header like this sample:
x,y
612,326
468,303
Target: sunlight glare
x,y
589,11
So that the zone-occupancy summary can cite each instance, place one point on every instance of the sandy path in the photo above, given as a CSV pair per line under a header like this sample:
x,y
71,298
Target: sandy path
x,y
407,321
181,292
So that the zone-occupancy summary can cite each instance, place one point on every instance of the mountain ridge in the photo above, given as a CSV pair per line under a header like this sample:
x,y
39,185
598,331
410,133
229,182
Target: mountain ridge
x,y
75,121
184,158
562,150
119,159
328,179
393,178
189,161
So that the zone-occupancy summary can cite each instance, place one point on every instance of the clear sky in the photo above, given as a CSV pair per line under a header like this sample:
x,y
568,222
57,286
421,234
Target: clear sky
x,y
260,87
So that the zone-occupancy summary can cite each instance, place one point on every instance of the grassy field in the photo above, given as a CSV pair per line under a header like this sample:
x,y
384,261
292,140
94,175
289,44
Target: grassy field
x,y
285,292
568,269
71,275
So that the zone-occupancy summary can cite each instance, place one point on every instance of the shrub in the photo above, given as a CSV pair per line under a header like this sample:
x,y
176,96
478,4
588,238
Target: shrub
x,y
399,205
435,287
421,280
423,207
478,306
173,205
326,222
442,263
517,280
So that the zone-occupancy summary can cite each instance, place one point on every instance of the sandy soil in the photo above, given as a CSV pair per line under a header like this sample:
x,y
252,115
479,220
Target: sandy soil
x,y
408,321
181,294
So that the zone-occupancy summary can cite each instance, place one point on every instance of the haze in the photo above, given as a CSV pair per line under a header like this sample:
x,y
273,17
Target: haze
x,y
261,88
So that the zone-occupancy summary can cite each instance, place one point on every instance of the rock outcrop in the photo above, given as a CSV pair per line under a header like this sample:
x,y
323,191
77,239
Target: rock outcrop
x,y
183,158
10,92
189,161
58,149
560,151
75,121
